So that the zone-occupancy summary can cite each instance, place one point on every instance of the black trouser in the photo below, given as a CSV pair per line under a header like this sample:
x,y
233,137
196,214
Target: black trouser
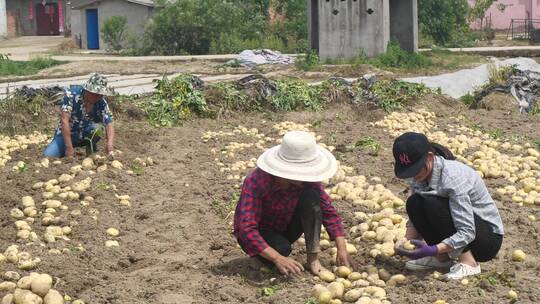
x,y
431,217
307,219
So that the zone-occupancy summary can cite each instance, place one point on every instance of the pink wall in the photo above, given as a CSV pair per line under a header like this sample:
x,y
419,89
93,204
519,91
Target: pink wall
x,y
515,9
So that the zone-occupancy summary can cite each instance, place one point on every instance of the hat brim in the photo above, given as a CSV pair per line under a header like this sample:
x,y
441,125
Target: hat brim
x,y
323,167
99,92
409,171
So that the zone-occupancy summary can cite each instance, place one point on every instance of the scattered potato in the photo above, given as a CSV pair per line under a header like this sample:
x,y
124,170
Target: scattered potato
x,y
23,296
512,295
113,232
336,289
7,299
41,284
53,297
352,295
7,286
327,276
117,165
111,243
518,256
343,271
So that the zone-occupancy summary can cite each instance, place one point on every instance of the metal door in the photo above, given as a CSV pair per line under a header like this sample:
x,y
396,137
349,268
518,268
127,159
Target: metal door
x,y
92,29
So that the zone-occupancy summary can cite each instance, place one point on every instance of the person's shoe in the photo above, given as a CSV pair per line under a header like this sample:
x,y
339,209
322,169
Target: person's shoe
x,y
427,263
460,270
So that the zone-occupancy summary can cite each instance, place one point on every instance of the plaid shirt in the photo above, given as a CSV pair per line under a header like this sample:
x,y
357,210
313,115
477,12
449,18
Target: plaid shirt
x,y
467,195
264,205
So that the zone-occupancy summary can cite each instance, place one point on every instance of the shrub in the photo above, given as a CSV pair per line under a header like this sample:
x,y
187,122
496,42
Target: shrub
x,y
444,20
308,61
295,95
114,32
396,57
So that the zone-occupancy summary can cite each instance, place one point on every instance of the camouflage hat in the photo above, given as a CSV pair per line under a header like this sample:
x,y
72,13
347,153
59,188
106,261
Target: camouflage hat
x,y
97,84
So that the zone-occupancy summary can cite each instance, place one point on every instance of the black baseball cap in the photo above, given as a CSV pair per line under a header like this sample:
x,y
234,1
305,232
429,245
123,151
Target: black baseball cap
x,y
410,152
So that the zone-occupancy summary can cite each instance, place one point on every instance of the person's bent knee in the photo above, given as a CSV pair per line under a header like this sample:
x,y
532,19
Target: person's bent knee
x,y
311,198
414,202
284,248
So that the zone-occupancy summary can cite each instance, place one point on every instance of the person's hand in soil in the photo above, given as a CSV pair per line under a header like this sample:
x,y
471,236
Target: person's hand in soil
x,y
343,258
288,266
70,152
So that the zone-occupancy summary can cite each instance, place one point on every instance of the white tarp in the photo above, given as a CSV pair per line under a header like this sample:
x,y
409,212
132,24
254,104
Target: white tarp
x,y
256,57
466,81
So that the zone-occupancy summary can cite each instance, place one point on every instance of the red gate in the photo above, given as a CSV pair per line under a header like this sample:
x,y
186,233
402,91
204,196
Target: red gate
x,y
47,19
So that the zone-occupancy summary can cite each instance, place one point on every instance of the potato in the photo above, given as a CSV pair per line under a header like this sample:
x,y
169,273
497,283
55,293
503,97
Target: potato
x,y
396,279
531,218
25,282
440,302
518,256
37,185
361,283
7,286
327,276
512,295
364,300
3,258
66,230
64,178
28,201
88,164
325,244
111,243
384,274
352,295
28,264
7,299
23,234
354,276
23,296
408,245
16,213
343,271
335,301
336,289
11,276
41,284
52,203
317,290
324,298
117,165
351,249
53,297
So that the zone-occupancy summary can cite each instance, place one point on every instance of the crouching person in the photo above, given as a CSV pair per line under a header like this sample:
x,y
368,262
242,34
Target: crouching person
x,y
84,114
283,198
453,220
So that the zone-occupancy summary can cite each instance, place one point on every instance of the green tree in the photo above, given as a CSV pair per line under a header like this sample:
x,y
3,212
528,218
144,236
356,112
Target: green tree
x,y
444,20
114,32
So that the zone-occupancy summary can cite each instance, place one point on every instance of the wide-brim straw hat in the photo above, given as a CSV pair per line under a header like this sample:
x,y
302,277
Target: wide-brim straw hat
x,y
97,84
298,158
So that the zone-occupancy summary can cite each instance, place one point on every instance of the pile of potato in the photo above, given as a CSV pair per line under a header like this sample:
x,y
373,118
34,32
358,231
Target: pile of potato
x,y
359,191
21,259
385,228
365,287
35,288
19,142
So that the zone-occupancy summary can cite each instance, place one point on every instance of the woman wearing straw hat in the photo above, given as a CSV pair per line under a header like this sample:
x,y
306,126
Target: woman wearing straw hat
x,y
283,198
451,214
83,113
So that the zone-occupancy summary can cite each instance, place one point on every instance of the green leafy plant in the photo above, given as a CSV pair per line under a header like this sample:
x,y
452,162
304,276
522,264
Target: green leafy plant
x,y
468,99
368,143
445,21
268,291
174,101
10,67
228,98
311,301
114,32
496,133
308,61
396,57
296,94
393,94
137,169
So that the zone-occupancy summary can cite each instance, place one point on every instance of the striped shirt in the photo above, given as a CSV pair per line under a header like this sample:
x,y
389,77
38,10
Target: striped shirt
x,y
467,196
264,205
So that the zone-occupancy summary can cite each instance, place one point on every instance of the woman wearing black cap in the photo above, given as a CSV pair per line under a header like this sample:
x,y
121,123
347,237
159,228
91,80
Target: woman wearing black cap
x,y
451,214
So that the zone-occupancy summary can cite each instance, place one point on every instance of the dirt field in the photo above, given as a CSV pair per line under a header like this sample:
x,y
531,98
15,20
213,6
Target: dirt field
x,y
175,240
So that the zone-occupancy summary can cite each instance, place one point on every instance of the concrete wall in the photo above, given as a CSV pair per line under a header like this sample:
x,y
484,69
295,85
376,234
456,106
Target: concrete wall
x,y
137,16
3,19
347,28
404,23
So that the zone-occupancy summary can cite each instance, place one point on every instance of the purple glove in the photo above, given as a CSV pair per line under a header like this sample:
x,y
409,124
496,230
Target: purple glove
x,y
422,250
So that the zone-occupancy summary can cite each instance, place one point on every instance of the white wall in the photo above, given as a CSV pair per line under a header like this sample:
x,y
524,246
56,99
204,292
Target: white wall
x,y
3,19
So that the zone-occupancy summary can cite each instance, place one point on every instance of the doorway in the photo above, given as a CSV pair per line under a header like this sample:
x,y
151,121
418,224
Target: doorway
x,y
47,21
92,29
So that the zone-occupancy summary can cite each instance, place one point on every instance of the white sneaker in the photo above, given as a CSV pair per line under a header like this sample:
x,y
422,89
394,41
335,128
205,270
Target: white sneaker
x,y
460,270
427,263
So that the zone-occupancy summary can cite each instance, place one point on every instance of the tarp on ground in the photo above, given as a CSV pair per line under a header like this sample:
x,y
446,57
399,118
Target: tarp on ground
x,y
466,81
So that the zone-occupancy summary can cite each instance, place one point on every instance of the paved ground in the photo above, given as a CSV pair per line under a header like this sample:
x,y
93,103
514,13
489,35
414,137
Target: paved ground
x,y
123,84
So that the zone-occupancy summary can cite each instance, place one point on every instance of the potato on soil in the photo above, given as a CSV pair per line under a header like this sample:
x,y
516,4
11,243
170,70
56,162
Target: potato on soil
x,y
53,297
343,271
41,284
327,276
23,296
7,299
336,289
518,255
